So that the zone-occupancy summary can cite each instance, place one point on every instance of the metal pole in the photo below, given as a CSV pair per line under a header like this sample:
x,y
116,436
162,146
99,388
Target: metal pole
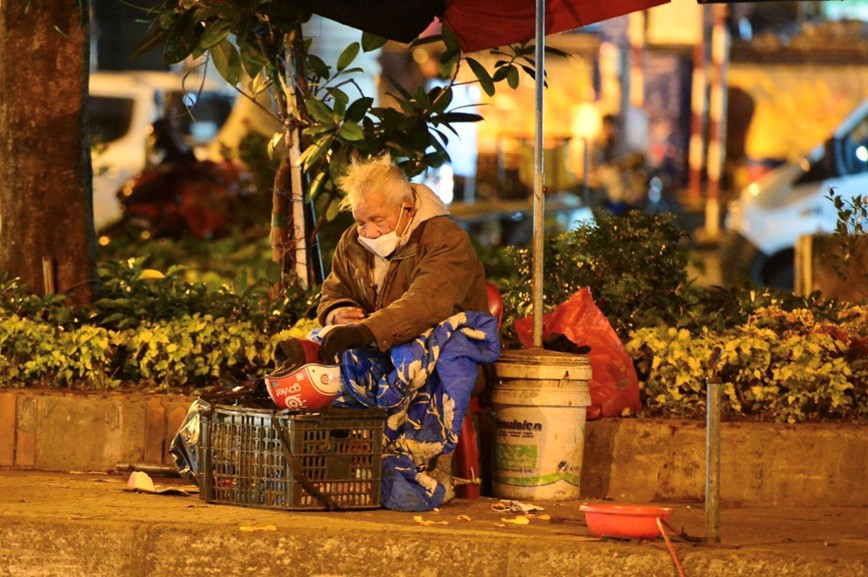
x,y
538,178
712,452
717,118
698,108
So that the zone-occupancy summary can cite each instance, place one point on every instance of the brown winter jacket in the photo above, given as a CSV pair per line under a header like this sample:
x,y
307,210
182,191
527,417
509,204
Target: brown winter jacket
x,y
433,276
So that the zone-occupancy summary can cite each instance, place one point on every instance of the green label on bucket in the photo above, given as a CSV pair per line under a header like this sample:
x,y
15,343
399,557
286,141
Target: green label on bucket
x,y
516,458
537,480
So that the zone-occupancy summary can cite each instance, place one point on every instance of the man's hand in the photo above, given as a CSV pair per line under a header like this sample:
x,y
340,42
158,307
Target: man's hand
x,y
341,338
346,315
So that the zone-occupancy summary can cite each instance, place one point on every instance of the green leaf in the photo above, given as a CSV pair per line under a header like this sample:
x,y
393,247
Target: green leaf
x,y
435,159
253,59
555,51
341,99
523,49
482,75
338,164
316,183
105,303
442,136
215,32
403,91
317,129
441,98
458,117
316,65
450,40
182,39
176,270
351,131
419,137
348,55
501,73
198,52
405,104
274,144
227,61
358,109
353,70
314,152
372,41
166,19
422,98
412,167
321,201
333,210
512,78
113,318
319,110
448,62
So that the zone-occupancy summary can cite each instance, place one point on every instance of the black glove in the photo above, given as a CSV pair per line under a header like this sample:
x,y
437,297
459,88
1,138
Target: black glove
x,y
288,356
341,338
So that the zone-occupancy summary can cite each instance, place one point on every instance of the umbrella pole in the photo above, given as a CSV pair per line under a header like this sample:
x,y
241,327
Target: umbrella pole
x,y
538,178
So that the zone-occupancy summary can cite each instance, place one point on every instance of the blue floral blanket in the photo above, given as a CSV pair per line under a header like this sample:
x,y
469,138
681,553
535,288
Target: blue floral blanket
x,y
425,387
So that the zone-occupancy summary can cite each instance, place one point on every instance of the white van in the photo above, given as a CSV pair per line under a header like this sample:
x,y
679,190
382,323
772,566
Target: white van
x,y
121,108
770,214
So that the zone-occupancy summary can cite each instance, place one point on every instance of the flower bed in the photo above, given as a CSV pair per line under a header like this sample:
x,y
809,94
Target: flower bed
x,y
779,366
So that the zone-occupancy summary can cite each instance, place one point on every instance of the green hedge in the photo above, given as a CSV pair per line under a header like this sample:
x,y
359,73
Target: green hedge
x,y
786,366
172,355
784,358
147,331
779,366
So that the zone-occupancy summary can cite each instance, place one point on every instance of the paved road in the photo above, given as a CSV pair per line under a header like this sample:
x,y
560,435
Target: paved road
x,y
91,525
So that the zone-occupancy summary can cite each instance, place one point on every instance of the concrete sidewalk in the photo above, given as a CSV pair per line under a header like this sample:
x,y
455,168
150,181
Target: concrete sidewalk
x,y
91,525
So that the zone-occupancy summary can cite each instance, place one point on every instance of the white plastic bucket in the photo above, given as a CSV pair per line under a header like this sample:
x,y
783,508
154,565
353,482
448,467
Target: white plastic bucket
x,y
540,403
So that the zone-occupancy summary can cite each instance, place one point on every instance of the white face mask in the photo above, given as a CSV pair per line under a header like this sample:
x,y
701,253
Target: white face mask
x,y
385,244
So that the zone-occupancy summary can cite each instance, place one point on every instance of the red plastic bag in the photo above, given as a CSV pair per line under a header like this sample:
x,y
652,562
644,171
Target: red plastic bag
x,y
614,385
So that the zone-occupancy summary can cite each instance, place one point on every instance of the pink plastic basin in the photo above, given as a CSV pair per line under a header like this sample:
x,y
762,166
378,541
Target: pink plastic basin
x,y
624,521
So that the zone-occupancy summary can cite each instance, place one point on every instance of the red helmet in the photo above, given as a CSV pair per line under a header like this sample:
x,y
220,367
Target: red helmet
x,y
311,386
301,381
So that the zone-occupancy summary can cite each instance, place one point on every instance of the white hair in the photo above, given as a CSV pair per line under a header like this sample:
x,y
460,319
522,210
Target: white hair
x,y
375,175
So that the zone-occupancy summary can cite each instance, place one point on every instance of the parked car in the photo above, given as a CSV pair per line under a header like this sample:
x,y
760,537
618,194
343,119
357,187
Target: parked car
x,y
762,225
121,111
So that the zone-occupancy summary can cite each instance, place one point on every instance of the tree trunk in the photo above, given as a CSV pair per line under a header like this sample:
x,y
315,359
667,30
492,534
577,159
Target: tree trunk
x,y
46,203
289,240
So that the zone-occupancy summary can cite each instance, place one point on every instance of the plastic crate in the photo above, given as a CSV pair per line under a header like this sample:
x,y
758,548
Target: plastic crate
x,y
242,461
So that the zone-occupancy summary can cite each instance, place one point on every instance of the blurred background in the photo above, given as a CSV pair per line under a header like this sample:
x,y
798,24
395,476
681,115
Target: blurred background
x,y
681,108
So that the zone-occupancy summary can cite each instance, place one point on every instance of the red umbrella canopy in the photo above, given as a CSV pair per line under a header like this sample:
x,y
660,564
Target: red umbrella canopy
x,y
481,24
477,24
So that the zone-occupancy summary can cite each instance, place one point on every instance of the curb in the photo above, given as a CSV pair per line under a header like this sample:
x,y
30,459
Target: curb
x,y
641,460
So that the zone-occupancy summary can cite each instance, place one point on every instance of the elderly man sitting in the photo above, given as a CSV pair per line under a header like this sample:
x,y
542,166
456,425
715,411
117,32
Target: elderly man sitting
x,y
406,279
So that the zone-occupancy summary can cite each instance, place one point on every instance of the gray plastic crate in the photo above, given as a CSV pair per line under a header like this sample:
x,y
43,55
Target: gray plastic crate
x,y
338,451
